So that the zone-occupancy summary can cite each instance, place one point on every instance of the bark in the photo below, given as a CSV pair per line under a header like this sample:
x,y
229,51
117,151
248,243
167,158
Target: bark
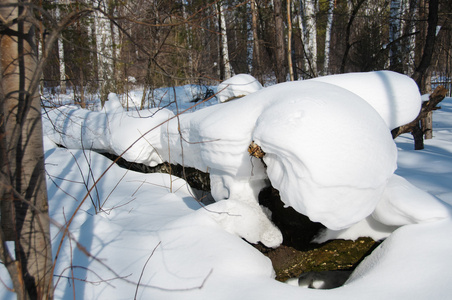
x,y
289,41
421,71
427,125
280,64
348,45
310,36
410,30
329,26
257,61
61,54
227,70
104,50
22,181
395,32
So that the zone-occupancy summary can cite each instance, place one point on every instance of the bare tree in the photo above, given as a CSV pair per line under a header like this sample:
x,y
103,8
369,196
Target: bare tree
x,y
289,40
329,25
310,36
280,66
225,62
420,73
24,210
395,32
257,61
348,45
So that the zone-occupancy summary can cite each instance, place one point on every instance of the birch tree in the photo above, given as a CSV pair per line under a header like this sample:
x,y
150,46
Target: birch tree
x,y
410,10
24,208
395,33
227,69
105,47
309,29
62,66
329,26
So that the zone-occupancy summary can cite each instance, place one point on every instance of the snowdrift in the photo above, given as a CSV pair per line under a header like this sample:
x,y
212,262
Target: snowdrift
x,y
328,148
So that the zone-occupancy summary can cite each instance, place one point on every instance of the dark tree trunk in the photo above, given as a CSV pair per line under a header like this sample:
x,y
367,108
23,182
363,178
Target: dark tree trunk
x,y
421,70
280,63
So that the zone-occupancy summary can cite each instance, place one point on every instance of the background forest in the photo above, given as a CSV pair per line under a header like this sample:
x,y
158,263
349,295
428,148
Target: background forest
x,y
151,43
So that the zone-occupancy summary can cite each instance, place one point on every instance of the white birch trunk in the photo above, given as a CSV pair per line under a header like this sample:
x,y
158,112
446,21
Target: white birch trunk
x,y
395,28
329,26
61,52
189,39
104,47
410,7
115,41
310,36
224,44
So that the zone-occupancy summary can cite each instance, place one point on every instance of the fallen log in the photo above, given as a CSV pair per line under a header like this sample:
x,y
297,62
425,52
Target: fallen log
x,y
420,125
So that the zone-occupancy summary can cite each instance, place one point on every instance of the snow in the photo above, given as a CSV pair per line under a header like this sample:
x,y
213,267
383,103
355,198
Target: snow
x,y
110,130
393,95
404,204
331,157
148,235
237,86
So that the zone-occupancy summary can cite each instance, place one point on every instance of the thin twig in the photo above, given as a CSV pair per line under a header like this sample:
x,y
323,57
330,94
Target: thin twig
x,y
144,267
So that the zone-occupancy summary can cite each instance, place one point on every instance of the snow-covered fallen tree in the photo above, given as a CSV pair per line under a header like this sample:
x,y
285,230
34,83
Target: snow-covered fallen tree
x,y
236,87
327,143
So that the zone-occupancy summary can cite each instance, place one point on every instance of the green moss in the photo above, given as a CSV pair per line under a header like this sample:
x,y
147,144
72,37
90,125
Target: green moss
x,y
333,255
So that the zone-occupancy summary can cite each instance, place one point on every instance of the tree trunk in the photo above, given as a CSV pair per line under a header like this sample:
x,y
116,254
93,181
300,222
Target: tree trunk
x,y
227,71
310,37
427,125
410,29
329,26
61,53
280,66
421,71
395,32
348,45
105,51
22,178
257,61
289,41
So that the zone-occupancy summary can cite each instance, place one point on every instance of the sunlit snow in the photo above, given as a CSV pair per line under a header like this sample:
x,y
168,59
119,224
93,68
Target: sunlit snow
x,y
328,152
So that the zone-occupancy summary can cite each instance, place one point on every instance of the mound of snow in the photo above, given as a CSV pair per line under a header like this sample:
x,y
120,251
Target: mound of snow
x,y
395,96
135,134
410,261
403,204
237,86
328,152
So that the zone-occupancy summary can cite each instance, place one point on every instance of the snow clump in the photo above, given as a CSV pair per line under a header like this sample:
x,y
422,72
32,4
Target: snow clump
x,y
237,86
393,95
134,134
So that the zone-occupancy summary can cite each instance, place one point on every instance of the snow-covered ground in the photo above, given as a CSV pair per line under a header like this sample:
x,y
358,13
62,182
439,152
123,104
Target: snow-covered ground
x,y
149,238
